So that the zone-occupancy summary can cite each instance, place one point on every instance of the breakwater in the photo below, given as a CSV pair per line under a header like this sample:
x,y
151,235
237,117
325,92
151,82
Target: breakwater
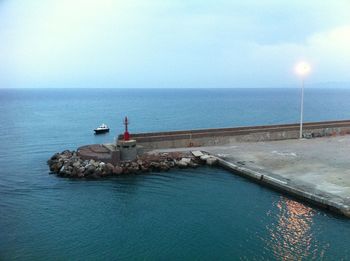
x,y
251,152
313,169
70,165
224,136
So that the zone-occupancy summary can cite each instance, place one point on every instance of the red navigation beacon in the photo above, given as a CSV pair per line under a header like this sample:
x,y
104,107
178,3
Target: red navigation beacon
x,y
126,133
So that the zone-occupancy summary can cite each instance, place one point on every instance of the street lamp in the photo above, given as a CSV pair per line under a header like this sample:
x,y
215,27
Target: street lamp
x,y
302,69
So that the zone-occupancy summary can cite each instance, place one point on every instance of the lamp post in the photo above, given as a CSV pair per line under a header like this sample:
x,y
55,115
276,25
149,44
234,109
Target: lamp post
x,y
302,69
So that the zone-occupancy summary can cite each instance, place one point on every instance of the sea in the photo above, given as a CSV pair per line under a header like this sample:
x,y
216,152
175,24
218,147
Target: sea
x,y
193,214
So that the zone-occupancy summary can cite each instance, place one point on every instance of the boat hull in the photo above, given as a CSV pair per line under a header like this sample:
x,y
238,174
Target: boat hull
x,y
101,131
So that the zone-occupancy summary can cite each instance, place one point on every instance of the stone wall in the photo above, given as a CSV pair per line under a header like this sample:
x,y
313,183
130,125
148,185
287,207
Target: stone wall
x,y
223,136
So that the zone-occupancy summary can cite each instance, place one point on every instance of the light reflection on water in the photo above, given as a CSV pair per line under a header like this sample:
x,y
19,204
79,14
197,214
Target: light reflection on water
x,y
291,235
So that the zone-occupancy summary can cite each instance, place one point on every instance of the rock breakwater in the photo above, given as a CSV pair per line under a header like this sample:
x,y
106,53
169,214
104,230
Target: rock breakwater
x,y
69,164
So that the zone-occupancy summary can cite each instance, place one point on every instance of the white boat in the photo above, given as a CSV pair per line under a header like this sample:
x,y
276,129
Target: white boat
x,y
101,129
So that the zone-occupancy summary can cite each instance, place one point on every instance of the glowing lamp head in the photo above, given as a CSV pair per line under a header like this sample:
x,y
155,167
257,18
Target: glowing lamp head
x,y
302,68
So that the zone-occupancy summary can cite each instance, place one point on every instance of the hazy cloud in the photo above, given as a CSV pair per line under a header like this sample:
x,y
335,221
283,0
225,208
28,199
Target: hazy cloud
x,y
171,43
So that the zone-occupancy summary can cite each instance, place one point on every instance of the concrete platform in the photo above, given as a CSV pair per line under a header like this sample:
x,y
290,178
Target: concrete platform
x,y
102,152
316,170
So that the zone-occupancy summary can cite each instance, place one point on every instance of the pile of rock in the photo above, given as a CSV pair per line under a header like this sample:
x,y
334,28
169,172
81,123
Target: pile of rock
x,y
209,159
69,164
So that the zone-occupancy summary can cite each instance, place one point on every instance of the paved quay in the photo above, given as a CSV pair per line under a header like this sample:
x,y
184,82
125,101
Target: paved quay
x,y
316,170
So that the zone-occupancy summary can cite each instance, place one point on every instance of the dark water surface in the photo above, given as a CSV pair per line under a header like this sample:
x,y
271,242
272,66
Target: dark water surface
x,y
201,214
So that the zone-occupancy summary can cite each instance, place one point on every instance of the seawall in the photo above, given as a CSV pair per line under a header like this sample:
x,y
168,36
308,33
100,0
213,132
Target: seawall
x,y
314,170
224,136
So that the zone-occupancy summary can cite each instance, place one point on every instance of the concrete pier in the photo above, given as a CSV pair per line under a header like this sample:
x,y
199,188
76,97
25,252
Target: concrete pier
x,y
315,170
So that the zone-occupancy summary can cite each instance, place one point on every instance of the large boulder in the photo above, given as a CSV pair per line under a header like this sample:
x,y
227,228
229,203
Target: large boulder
x,y
164,166
193,164
197,153
117,170
186,160
90,169
76,164
56,156
211,161
82,169
181,164
109,168
204,157
155,165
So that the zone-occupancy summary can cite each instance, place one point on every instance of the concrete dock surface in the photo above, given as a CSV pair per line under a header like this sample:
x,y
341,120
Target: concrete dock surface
x,y
316,170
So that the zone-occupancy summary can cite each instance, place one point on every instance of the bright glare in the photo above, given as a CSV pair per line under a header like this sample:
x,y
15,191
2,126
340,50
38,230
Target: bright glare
x,y
302,68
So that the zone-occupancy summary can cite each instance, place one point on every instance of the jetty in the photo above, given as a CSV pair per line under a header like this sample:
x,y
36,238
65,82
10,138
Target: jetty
x,y
315,169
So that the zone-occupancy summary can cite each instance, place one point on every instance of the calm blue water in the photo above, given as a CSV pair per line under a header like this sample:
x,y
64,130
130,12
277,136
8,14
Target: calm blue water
x,y
202,214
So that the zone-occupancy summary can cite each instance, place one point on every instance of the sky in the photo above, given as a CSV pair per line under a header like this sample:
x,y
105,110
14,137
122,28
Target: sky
x,y
172,43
